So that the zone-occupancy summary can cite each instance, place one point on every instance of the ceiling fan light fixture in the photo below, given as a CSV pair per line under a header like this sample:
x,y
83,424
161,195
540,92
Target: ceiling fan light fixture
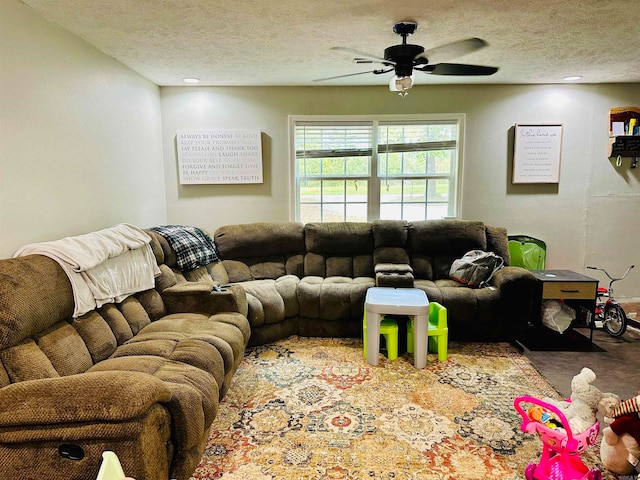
x,y
400,84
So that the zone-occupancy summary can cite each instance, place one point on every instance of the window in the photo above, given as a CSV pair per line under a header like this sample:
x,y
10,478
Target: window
x,y
412,174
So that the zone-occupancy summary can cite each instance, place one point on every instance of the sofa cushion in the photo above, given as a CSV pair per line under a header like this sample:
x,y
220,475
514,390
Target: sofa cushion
x,y
260,251
333,298
65,349
341,249
271,301
4,376
267,267
339,238
26,361
195,324
237,271
435,244
117,323
498,242
35,294
97,336
395,255
390,233
259,239
152,303
441,237
198,352
166,279
474,310
227,336
338,266
135,314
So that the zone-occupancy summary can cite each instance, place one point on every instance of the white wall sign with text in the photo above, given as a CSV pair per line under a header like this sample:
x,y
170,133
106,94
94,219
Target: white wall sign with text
x,y
536,156
219,156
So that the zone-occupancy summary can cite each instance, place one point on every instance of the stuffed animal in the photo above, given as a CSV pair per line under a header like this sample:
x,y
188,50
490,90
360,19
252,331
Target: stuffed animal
x,y
620,446
585,399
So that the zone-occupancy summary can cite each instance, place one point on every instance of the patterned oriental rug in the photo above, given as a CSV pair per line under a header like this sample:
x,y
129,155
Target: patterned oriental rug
x,y
312,408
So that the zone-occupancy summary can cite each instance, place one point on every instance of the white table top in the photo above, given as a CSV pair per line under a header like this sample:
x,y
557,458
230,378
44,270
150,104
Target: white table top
x,y
402,301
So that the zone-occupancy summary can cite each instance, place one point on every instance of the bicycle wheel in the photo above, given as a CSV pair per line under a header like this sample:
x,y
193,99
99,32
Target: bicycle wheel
x,y
615,320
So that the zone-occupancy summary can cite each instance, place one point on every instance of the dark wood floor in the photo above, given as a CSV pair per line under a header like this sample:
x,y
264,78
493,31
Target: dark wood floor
x,y
615,361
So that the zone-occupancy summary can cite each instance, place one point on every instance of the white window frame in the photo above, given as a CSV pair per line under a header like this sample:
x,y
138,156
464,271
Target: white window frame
x,y
373,200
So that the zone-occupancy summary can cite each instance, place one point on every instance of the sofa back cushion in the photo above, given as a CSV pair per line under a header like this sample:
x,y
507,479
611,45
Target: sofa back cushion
x,y
435,244
498,242
343,249
38,336
259,251
390,241
35,294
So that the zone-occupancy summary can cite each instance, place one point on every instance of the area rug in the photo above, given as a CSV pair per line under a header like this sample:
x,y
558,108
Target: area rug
x,y
311,408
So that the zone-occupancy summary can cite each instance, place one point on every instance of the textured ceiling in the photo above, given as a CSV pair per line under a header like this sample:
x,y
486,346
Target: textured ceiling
x,y
287,42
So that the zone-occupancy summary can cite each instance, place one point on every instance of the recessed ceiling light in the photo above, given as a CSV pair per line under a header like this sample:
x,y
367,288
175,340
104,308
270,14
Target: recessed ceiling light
x,y
572,78
191,80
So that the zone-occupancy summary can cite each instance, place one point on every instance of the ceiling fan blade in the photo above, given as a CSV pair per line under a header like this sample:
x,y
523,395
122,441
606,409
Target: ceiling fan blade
x,y
375,72
362,55
457,69
452,50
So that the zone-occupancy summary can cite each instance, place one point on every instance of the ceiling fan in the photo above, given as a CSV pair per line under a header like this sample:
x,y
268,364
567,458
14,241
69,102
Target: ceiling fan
x,y
403,59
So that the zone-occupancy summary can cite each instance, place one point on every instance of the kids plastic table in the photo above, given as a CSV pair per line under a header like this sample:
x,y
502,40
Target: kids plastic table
x,y
382,301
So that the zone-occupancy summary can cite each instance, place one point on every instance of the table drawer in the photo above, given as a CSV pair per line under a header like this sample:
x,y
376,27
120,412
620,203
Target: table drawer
x,y
584,290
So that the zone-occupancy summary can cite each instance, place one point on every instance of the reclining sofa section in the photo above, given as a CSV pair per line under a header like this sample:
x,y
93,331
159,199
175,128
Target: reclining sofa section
x,y
312,279
142,377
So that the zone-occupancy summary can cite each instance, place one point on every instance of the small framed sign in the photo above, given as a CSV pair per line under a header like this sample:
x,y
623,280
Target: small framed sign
x,y
219,156
537,152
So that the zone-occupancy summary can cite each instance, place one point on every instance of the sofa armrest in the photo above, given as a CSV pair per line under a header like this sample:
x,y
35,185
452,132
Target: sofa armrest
x,y
393,268
202,297
188,288
77,399
517,290
512,275
394,275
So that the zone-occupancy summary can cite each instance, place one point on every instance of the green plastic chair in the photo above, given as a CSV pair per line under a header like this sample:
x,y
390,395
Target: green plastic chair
x,y
389,330
438,332
527,252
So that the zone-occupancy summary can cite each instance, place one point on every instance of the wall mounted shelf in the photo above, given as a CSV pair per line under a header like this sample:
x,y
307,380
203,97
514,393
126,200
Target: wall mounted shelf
x,y
624,137
625,146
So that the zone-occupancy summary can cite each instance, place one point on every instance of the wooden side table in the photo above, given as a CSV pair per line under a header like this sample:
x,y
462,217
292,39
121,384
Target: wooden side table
x,y
576,289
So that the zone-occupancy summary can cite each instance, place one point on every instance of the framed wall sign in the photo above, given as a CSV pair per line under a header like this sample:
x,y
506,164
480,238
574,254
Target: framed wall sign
x,y
219,156
537,152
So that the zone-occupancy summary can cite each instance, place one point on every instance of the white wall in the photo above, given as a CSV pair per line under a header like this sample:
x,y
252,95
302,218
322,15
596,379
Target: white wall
x,y
590,217
81,148
80,136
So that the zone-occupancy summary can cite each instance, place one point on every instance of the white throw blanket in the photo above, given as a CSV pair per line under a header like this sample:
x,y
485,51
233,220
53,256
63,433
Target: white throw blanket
x,y
104,266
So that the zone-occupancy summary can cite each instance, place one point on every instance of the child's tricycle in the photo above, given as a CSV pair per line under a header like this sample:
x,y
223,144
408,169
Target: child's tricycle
x,y
560,459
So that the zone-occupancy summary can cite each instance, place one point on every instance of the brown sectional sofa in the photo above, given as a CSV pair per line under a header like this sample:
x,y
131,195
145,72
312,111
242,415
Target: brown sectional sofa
x,y
312,279
142,378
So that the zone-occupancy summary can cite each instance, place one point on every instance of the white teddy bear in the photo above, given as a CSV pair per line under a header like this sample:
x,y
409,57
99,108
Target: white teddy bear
x,y
585,398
